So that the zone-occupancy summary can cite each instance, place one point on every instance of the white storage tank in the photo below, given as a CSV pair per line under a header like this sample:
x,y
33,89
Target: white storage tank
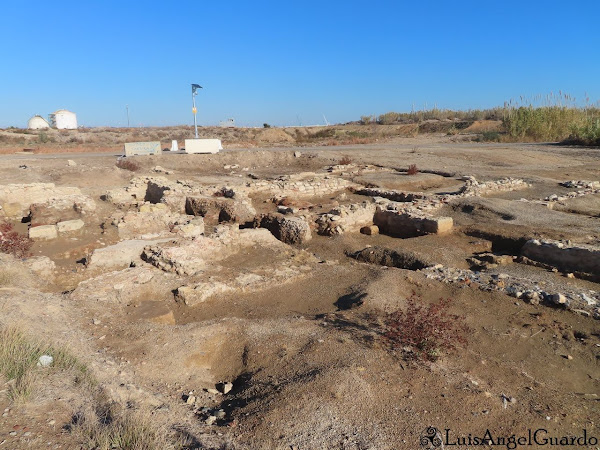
x,y
37,123
63,120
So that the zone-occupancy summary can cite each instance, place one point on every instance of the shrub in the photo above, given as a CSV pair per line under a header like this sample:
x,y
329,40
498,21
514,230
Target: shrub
x,y
412,170
128,164
365,120
388,118
489,136
425,333
266,125
587,134
12,242
43,138
345,160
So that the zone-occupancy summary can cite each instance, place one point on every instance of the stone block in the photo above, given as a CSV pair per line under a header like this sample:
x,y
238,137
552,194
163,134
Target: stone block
x,y
69,225
438,225
43,232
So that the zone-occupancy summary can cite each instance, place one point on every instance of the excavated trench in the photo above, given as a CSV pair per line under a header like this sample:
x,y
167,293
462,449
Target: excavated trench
x,y
391,258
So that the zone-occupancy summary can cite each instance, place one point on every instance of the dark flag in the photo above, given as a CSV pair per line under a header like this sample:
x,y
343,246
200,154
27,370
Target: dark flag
x,y
195,87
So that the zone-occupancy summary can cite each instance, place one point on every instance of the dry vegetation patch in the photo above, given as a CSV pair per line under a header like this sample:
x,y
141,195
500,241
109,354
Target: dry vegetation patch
x,y
20,362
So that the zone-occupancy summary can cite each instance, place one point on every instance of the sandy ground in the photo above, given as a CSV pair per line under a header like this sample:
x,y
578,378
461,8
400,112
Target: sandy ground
x,y
308,372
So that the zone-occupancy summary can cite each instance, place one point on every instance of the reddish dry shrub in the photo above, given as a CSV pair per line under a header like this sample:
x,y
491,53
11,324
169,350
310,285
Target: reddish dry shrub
x,y
412,170
12,242
128,164
345,161
424,332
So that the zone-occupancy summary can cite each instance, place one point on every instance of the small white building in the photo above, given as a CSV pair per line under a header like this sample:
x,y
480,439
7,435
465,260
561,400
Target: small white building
x,y
37,122
63,120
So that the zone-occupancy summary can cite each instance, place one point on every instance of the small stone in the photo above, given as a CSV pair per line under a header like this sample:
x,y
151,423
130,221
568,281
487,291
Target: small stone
x,y
569,357
225,388
297,154
45,361
570,275
96,321
71,163
212,391
558,299
220,414
210,420
190,400
532,297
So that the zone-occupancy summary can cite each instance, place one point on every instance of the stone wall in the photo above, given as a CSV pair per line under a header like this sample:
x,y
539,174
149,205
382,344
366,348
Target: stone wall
x,y
568,258
301,186
400,224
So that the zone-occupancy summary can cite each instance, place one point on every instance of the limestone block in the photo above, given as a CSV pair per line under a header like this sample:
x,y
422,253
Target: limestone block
x,y
69,225
43,232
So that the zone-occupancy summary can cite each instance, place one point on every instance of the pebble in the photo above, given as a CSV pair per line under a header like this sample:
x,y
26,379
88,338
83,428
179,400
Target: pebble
x,y
212,391
45,361
558,299
210,420
227,387
190,400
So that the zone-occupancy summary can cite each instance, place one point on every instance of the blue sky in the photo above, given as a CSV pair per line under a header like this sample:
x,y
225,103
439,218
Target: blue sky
x,y
287,63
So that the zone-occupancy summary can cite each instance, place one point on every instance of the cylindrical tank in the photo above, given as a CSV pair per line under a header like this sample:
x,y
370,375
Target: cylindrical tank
x,y
64,120
37,123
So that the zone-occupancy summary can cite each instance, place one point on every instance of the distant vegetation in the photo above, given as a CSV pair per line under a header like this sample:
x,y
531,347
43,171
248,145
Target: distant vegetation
x,y
543,118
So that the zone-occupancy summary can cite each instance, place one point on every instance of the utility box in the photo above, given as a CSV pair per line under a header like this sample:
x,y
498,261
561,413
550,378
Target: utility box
x,y
142,148
203,145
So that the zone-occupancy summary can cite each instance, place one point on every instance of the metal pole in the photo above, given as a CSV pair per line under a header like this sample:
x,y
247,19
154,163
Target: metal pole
x,y
194,111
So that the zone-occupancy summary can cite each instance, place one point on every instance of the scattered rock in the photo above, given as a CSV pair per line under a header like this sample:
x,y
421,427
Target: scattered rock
x,y
45,361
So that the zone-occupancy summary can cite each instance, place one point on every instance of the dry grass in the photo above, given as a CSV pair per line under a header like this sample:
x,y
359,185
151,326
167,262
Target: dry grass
x,y
19,356
412,170
104,428
345,160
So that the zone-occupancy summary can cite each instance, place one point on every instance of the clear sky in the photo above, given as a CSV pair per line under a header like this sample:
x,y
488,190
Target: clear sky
x,y
288,62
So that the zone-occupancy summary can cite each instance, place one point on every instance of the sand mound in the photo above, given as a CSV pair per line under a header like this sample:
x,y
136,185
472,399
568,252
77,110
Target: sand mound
x,y
274,135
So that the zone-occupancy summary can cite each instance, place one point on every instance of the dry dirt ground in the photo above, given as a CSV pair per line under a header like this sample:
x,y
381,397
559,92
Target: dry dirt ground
x,y
255,285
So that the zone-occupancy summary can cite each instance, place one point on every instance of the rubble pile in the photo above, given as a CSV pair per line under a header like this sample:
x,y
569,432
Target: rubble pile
x,y
345,218
583,302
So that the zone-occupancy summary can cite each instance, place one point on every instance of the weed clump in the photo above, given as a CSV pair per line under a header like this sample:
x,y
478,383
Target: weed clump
x,y
128,164
345,160
412,170
424,332
12,242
